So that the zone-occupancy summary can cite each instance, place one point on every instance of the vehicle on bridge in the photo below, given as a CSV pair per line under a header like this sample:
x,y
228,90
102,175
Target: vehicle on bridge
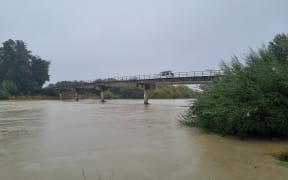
x,y
166,74
133,78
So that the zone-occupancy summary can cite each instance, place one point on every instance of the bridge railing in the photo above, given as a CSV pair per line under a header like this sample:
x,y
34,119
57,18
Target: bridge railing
x,y
174,75
151,77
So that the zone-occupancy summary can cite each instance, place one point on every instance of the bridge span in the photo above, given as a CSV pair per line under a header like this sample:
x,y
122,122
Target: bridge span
x,y
145,82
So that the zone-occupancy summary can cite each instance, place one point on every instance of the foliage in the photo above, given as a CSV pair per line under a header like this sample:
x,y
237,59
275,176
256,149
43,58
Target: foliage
x,y
20,71
282,156
39,70
109,95
248,99
4,94
9,86
180,91
125,92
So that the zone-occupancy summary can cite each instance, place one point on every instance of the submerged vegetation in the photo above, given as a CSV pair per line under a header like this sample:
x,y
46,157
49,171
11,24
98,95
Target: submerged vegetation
x,y
248,99
282,156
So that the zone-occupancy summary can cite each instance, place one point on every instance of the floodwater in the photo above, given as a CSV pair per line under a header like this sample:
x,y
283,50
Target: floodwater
x,y
123,140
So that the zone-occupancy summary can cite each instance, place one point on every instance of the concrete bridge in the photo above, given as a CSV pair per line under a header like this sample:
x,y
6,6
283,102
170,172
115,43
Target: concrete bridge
x,y
145,82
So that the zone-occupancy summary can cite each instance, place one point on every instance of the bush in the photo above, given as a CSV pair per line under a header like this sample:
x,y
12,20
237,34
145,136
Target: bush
x,y
4,94
248,99
10,86
282,157
180,91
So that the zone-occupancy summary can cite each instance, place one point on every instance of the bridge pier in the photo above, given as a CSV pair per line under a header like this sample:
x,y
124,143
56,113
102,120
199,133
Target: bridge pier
x,y
101,89
146,94
102,94
76,96
60,96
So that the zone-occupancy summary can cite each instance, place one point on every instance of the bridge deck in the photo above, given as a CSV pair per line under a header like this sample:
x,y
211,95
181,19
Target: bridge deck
x,y
194,77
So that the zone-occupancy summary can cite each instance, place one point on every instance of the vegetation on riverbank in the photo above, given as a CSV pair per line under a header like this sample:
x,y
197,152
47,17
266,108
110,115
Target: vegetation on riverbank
x,y
248,99
21,73
282,156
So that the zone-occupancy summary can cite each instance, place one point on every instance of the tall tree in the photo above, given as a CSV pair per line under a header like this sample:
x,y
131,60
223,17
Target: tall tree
x,y
39,70
279,47
26,71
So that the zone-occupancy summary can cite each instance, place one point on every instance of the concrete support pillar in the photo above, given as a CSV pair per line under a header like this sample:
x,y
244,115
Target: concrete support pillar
x,y
146,96
76,96
60,96
102,95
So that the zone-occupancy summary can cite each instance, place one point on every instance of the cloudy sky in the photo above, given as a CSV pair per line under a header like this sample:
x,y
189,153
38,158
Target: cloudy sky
x,y
90,39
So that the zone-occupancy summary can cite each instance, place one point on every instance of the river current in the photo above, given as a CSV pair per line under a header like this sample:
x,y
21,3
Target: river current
x,y
124,140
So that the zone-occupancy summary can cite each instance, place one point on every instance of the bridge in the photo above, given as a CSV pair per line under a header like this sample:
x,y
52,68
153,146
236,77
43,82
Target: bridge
x,y
145,82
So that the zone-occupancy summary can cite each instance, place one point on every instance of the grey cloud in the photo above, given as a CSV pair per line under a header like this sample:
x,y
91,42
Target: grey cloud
x,y
91,39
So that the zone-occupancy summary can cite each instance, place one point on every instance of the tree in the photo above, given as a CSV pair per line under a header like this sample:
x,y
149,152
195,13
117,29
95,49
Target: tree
x,y
248,99
4,94
9,86
279,47
18,65
39,70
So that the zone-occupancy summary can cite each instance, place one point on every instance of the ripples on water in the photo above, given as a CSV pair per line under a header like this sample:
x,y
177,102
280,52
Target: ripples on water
x,y
122,139
17,117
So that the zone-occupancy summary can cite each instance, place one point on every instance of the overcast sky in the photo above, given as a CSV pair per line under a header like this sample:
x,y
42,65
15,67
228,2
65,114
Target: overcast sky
x,y
90,39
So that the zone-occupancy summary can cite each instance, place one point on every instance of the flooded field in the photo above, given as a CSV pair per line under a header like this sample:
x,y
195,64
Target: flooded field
x,y
123,140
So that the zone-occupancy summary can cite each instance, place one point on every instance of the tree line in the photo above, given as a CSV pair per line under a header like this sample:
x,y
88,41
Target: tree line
x,y
21,72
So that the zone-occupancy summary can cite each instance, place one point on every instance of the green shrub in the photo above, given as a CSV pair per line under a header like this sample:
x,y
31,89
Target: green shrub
x,y
10,86
4,94
180,91
248,99
282,156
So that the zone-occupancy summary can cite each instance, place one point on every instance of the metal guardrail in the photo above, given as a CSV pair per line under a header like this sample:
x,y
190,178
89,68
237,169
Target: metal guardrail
x,y
158,76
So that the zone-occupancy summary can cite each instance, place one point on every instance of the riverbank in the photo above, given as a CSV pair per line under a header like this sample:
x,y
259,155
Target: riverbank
x,y
37,97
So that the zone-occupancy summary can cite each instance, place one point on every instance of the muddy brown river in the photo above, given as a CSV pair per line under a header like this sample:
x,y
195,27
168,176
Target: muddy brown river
x,y
123,140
